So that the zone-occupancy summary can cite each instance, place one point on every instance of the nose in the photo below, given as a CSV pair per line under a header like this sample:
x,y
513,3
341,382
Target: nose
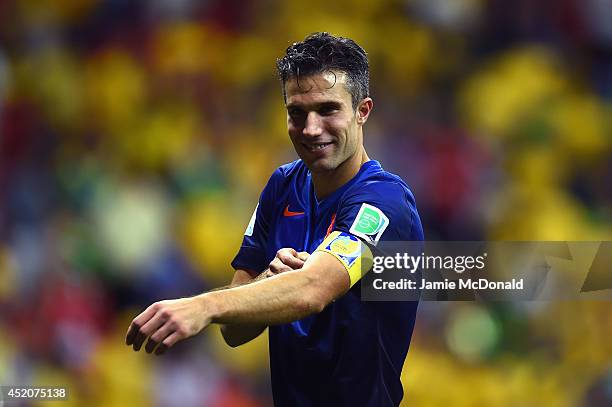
x,y
313,126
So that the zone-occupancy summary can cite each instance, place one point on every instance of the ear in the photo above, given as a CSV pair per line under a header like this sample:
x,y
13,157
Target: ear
x,y
363,110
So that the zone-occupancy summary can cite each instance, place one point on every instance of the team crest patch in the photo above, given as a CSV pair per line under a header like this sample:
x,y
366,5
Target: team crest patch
x,y
370,223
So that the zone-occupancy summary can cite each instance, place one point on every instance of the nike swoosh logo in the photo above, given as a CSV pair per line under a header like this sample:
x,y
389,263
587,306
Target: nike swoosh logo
x,y
287,212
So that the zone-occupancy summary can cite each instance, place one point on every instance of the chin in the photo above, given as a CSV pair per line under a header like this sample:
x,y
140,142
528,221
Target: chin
x,y
321,166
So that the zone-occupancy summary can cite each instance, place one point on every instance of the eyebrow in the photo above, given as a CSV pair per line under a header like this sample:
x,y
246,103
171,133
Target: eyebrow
x,y
316,106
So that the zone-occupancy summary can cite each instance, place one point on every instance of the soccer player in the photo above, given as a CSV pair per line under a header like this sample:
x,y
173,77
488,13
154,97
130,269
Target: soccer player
x,y
327,347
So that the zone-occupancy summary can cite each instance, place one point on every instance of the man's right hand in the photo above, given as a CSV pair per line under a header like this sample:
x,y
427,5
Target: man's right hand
x,y
287,259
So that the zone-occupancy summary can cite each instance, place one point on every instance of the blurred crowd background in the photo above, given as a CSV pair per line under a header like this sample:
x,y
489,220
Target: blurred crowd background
x,y
135,137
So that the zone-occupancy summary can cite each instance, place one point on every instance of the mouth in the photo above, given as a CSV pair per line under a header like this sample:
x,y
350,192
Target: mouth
x,y
316,147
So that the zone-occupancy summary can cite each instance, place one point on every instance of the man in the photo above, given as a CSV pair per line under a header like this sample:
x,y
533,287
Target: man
x,y
327,347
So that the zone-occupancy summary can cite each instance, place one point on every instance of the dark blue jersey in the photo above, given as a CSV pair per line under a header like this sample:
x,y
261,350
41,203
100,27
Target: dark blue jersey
x,y
350,354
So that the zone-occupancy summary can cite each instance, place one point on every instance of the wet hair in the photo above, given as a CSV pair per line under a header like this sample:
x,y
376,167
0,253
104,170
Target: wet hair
x,y
322,52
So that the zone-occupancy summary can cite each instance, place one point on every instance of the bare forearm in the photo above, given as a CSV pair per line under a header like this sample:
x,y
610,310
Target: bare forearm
x,y
286,297
239,334
283,298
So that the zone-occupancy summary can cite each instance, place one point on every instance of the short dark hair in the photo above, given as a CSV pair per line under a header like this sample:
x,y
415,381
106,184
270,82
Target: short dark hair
x,y
320,52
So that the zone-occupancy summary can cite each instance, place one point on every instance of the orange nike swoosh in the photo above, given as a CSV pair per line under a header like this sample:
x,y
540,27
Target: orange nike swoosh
x,y
287,212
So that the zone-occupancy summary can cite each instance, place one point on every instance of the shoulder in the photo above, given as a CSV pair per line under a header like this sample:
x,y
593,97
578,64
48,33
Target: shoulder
x,y
381,186
383,202
285,174
289,171
291,168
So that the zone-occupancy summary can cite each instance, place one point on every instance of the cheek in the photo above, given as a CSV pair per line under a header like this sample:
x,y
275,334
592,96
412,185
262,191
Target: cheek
x,y
347,129
292,129
294,137
339,127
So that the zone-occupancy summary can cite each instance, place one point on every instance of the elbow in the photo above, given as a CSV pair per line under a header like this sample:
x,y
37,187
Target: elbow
x,y
318,294
232,344
321,288
231,340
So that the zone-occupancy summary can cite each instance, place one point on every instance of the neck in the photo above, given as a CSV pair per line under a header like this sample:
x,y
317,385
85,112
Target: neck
x,y
327,182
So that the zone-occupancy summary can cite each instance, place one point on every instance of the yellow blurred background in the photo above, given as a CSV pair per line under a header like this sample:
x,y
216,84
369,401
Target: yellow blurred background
x,y
135,137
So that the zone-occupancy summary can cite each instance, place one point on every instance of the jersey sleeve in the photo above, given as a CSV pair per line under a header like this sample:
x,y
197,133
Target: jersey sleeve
x,y
380,211
252,253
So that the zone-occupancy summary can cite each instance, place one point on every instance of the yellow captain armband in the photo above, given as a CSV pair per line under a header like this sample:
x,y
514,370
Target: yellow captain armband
x,y
355,256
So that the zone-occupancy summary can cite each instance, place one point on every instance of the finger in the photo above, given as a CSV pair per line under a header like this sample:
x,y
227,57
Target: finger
x,y
171,340
161,334
138,339
131,333
303,256
290,259
148,329
137,322
168,343
289,250
161,349
277,266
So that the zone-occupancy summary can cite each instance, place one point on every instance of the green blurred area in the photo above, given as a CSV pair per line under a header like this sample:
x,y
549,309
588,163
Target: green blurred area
x,y
135,138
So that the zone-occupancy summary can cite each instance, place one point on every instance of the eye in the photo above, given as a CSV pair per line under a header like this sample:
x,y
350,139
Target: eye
x,y
327,110
295,113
